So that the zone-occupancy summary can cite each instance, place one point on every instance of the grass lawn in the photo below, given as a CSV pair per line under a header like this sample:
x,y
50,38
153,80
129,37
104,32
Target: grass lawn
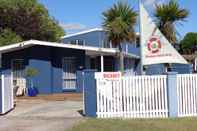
x,y
186,124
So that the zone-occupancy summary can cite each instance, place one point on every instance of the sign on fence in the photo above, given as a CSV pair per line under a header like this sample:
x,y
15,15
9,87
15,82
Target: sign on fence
x,y
108,75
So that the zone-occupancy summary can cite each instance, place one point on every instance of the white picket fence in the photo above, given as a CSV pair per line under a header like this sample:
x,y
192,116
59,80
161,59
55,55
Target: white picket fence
x,y
132,97
187,95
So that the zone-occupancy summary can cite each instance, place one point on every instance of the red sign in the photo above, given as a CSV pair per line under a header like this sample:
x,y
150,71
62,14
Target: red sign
x,y
111,75
108,75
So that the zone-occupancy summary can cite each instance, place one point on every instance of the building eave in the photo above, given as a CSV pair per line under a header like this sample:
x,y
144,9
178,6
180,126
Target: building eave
x,y
30,43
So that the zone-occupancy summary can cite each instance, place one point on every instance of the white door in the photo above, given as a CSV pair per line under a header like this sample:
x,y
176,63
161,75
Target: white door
x,y
69,73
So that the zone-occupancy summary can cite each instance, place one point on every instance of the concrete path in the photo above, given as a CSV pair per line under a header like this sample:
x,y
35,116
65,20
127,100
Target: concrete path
x,y
40,115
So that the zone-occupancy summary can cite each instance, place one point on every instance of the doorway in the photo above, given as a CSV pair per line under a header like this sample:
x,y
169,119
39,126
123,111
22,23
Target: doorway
x,y
18,73
69,73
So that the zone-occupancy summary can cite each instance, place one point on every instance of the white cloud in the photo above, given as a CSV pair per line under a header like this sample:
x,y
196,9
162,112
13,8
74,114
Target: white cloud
x,y
72,26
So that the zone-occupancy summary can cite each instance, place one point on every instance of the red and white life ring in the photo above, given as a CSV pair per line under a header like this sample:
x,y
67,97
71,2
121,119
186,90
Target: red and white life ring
x,y
154,44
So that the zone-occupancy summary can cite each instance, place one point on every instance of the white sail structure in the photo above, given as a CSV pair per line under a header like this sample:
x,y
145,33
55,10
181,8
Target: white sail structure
x,y
155,48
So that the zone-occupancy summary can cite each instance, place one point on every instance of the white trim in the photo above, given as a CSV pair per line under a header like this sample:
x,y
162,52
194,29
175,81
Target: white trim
x,y
82,32
102,63
12,92
3,93
53,44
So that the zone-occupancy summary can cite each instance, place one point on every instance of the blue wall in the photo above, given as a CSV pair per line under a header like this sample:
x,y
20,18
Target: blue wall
x,y
182,68
95,38
99,39
48,61
43,80
130,48
160,69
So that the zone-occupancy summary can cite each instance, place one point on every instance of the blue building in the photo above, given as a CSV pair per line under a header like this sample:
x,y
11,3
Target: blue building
x,y
60,65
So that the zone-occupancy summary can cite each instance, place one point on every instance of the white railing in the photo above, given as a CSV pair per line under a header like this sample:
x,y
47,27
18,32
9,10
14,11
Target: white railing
x,y
132,97
187,95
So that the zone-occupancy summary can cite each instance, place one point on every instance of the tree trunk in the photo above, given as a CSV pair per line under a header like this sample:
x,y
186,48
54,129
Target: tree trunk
x,y
121,55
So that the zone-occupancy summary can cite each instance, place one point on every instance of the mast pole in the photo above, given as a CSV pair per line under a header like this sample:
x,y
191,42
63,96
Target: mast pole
x,y
140,33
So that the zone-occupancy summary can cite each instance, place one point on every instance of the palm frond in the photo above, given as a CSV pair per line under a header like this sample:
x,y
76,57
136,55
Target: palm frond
x,y
167,15
119,22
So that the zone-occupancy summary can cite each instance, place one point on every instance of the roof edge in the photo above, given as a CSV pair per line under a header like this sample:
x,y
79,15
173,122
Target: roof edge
x,y
83,32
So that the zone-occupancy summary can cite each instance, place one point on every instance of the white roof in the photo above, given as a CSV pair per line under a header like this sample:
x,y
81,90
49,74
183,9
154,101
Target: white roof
x,y
82,32
30,43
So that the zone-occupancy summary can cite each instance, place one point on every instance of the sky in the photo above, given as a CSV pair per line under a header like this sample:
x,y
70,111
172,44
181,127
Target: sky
x,y
78,15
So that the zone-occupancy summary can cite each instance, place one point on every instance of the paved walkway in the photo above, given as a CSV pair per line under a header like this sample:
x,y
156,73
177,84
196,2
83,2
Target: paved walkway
x,y
42,115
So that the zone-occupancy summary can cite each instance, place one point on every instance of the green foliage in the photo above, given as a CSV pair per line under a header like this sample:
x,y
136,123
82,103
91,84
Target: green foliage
x,y
31,72
167,16
29,20
189,43
7,37
119,22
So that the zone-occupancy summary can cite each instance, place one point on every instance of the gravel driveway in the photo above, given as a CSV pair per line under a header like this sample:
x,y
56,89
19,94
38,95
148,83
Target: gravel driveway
x,y
40,115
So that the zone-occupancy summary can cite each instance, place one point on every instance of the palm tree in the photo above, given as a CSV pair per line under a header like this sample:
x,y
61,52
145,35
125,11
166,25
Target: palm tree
x,y
119,22
168,16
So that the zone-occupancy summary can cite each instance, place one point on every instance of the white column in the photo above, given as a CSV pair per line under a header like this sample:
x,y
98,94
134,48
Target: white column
x,y
102,63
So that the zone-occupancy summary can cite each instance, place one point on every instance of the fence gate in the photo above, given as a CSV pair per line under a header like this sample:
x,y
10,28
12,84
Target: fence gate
x,y
6,93
132,97
187,94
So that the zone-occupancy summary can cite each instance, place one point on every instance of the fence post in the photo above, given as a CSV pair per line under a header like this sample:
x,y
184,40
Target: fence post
x,y
172,94
90,93
80,81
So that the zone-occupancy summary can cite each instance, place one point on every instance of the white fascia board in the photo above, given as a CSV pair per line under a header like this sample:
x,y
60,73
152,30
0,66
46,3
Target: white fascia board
x,y
82,32
14,46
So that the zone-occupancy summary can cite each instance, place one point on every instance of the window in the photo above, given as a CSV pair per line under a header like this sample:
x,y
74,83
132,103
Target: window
x,y
74,42
77,42
80,42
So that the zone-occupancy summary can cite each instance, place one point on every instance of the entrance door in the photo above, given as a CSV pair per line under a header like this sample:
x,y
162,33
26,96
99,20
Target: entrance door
x,y
69,73
18,72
